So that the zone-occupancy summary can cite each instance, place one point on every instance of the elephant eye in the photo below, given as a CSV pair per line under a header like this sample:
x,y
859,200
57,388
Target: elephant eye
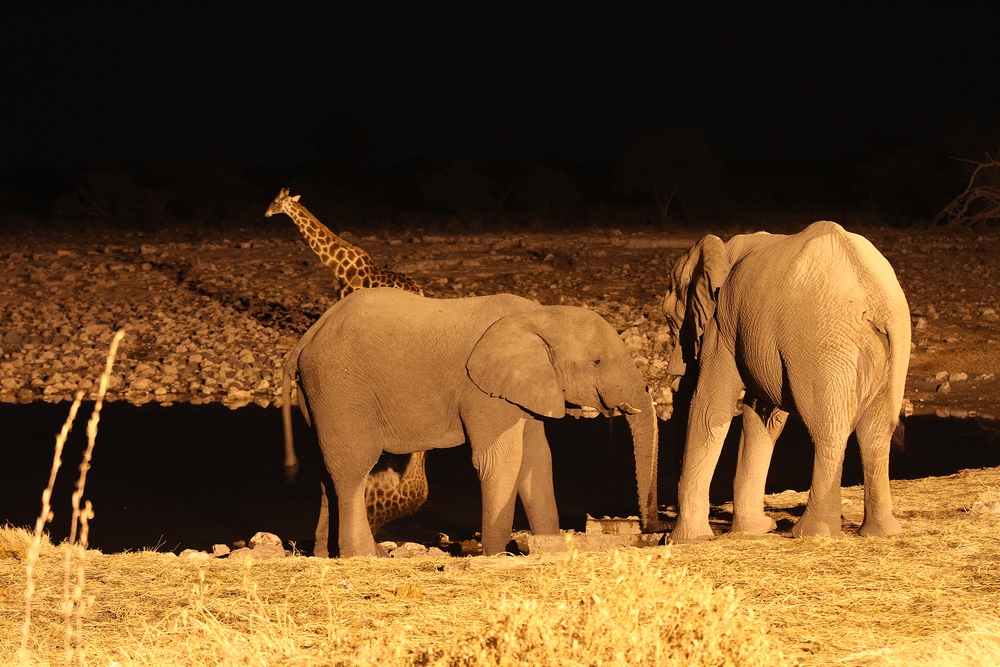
x,y
597,362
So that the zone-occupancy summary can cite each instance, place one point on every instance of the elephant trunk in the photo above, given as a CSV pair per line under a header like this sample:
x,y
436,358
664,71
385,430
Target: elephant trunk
x,y
642,422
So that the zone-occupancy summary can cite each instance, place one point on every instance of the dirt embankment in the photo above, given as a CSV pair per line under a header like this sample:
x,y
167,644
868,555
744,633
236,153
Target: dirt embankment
x,y
210,320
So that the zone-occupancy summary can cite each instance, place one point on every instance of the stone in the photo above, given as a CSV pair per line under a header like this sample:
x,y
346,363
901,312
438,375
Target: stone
x,y
220,550
242,553
944,388
608,526
194,554
264,538
265,551
408,550
992,507
958,377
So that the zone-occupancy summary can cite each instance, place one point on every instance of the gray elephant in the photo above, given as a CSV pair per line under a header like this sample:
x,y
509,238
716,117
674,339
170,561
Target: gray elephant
x,y
814,323
385,369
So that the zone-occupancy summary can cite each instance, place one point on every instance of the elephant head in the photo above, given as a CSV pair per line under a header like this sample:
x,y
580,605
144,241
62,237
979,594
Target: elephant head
x,y
690,302
561,358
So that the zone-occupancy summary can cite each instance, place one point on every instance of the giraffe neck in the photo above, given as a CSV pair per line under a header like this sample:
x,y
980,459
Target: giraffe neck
x,y
318,235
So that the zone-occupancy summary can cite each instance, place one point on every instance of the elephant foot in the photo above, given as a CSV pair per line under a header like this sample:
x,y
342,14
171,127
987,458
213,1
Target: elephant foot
x,y
811,526
685,533
885,526
755,525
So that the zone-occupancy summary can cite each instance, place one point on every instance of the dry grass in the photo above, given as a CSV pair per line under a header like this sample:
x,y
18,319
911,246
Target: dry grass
x,y
928,597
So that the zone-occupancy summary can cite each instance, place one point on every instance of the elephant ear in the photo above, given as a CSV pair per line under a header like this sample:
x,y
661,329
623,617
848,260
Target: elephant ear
x,y
515,363
695,283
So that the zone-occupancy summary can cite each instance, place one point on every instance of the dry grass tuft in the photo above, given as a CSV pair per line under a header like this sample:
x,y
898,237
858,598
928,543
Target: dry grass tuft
x,y
928,597
626,607
16,543
617,608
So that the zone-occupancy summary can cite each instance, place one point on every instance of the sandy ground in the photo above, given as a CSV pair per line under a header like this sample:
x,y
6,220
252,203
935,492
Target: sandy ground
x,y
209,317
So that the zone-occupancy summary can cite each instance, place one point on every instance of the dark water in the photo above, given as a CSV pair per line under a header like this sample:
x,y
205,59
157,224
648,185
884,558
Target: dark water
x,y
191,476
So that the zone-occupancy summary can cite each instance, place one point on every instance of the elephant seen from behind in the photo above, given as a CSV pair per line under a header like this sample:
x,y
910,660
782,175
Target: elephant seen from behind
x,y
813,323
387,370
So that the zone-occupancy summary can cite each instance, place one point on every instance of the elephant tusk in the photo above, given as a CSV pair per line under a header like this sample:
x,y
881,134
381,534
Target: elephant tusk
x,y
628,409
588,411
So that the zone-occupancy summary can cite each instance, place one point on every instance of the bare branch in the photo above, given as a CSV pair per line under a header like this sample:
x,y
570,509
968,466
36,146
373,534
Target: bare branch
x,y
979,203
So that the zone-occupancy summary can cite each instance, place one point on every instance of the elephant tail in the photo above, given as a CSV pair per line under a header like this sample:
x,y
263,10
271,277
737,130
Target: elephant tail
x,y
898,332
291,461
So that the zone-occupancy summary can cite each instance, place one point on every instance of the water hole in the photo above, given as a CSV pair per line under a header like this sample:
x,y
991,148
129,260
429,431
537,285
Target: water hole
x,y
190,476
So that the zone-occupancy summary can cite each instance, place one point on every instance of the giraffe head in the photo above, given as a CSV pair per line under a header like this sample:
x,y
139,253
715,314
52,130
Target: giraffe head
x,y
280,202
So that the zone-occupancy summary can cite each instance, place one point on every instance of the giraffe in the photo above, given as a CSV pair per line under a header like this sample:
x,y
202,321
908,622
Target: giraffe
x,y
388,495
352,266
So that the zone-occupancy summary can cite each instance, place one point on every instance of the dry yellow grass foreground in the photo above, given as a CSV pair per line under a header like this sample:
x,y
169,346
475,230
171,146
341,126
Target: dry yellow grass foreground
x,y
928,597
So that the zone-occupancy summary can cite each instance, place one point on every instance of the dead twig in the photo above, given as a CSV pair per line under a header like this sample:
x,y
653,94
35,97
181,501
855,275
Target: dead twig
x,y
979,203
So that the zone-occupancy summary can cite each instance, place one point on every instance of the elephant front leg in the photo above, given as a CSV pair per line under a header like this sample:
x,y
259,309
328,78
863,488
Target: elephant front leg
x,y
496,453
534,483
762,424
708,423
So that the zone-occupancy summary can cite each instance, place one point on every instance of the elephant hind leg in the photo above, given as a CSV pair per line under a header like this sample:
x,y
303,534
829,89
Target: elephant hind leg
x,y
762,424
829,426
875,438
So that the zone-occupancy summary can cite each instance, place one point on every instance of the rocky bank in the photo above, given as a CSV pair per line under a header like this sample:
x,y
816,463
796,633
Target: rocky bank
x,y
210,318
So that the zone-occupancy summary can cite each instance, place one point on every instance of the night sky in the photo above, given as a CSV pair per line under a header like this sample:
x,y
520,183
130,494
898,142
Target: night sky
x,y
91,86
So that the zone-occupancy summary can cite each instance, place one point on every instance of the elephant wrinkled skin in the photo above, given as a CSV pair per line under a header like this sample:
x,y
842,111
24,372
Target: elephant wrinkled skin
x,y
387,370
814,323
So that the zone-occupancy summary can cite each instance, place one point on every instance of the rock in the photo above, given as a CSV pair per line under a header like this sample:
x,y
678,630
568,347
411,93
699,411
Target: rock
x,y
920,325
409,550
941,375
194,554
906,409
264,538
259,552
990,315
944,388
958,377
264,551
219,550
992,507
241,554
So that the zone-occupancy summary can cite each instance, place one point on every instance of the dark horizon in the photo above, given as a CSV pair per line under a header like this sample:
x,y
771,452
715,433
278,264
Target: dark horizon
x,y
574,83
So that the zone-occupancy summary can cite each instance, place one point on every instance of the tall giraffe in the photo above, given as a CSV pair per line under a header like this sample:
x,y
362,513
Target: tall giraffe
x,y
352,266
388,495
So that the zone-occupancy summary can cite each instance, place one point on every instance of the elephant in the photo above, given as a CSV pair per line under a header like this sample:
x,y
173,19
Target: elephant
x,y
385,369
813,323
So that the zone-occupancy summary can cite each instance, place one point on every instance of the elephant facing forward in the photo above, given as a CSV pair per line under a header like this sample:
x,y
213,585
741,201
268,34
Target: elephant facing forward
x,y
384,369
814,323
